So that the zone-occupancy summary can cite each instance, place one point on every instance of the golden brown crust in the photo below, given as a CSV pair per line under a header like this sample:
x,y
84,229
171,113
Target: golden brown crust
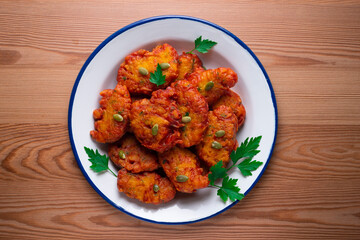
x,y
222,118
128,73
136,157
133,99
141,186
232,100
192,104
181,99
223,79
145,114
117,101
180,161
188,63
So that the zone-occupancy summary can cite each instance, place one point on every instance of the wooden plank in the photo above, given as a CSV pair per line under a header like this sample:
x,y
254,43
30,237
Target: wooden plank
x,y
311,51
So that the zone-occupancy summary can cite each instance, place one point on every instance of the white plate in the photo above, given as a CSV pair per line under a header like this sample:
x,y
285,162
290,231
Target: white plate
x,y
99,72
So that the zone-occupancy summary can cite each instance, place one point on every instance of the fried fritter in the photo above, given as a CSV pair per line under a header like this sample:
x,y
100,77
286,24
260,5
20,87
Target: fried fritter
x,y
188,63
193,107
133,99
147,187
156,125
232,100
129,75
183,169
213,83
129,153
222,118
117,101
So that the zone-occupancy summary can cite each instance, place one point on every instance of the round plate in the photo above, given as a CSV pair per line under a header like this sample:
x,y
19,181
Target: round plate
x,y
99,72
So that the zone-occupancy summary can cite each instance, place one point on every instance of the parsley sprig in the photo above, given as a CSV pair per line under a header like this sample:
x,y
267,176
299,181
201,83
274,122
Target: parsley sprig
x,y
228,188
157,77
245,153
203,46
99,162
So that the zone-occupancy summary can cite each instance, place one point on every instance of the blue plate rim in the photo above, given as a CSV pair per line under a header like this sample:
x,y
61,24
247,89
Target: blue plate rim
x,y
141,22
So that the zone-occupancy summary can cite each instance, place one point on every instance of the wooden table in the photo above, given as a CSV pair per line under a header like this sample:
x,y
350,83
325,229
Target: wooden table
x,y
310,189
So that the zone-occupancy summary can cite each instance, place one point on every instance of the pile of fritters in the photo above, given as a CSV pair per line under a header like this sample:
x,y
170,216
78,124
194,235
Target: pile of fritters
x,y
165,138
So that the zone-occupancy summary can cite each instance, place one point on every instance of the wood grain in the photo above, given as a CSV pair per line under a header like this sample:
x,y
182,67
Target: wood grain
x,y
311,52
321,191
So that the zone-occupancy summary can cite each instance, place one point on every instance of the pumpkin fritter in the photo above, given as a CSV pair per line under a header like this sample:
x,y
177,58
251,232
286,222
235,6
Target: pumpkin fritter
x,y
194,110
147,187
221,120
139,83
232,100
129,153
108,127
183,169
213,83
188,63
156,125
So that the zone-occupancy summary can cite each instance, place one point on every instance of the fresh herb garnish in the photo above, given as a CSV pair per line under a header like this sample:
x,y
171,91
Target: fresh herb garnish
x,y
246,152
157,77
99,162
247,166
203,46
247,149
229,190
217,172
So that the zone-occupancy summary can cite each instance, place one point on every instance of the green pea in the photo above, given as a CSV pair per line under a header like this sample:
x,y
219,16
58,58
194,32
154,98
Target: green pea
x,y
156,188
216,145
220,133
143,71
209,86
181,178
164,66
122,154
118,117
186,119
155,129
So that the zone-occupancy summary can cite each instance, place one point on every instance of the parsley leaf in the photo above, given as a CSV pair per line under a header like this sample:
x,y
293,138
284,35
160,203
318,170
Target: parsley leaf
x,y
247,149
99,162
223,195
245,153
217,172
229,190
203,46
157,77
247,166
